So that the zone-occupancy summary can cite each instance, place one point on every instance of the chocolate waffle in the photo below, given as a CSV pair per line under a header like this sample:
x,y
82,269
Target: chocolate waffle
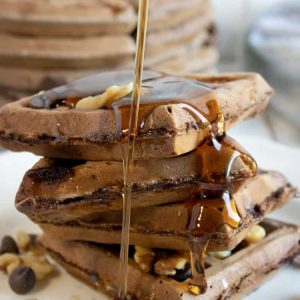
x,y
234,277
169,130
159,53
203,59
66,18
47,43
27,81
167,14
159,226
52,53
183,32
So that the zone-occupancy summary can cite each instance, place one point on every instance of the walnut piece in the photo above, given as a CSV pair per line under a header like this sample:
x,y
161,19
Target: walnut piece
x,y
23,240
220,254
112,94
168,266
256,234
39,264
8,259
10,268
144,257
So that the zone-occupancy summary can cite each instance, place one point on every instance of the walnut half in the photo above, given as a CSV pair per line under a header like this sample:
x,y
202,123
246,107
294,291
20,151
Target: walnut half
x,y
112,94
168,266
144,257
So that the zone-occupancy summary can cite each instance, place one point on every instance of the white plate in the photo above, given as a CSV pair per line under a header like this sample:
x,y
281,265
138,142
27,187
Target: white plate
x,y
285,285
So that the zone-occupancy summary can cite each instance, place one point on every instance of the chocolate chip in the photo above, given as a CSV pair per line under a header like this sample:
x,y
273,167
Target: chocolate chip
x,y
182,275
22,280
8,245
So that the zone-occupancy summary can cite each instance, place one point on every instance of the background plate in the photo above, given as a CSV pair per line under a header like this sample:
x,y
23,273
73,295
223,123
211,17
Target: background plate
x,y
269,155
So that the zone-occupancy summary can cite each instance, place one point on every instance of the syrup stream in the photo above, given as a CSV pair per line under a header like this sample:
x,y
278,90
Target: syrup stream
x,y
132,133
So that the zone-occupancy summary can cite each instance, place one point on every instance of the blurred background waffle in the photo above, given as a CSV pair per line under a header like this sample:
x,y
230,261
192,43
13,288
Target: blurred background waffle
x,y
50,42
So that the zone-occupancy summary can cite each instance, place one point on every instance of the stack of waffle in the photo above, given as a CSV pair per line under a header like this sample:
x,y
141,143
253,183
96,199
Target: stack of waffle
x,y
75,194
47,43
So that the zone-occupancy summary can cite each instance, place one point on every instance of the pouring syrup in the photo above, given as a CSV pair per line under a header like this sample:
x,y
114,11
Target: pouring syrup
x,y
132,133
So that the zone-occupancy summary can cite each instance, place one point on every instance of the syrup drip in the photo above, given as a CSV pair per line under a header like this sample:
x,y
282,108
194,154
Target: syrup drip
x,y
221,161
197,283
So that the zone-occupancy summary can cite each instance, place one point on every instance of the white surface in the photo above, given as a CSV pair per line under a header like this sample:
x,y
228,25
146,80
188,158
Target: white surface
x,y
259,126
284,286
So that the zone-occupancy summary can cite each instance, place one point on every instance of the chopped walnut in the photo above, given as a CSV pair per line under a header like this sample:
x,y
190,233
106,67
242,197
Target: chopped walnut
x,y
256,234
112,94
220,254
39,264
8,259
23,240
11,267
168,266
194,289
144,257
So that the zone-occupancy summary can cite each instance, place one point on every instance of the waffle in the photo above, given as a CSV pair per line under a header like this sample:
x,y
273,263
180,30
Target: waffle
x,y
99,184
232,277
91,135
182,32
74,18
66,18
47,43
168,14
159,53
30,81
91,52
27,81
162,226
88,52
203,59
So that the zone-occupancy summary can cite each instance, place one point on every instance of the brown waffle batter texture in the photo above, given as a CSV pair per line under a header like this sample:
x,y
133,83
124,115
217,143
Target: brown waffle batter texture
x,y
89,135
232,278
164,226
46,43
